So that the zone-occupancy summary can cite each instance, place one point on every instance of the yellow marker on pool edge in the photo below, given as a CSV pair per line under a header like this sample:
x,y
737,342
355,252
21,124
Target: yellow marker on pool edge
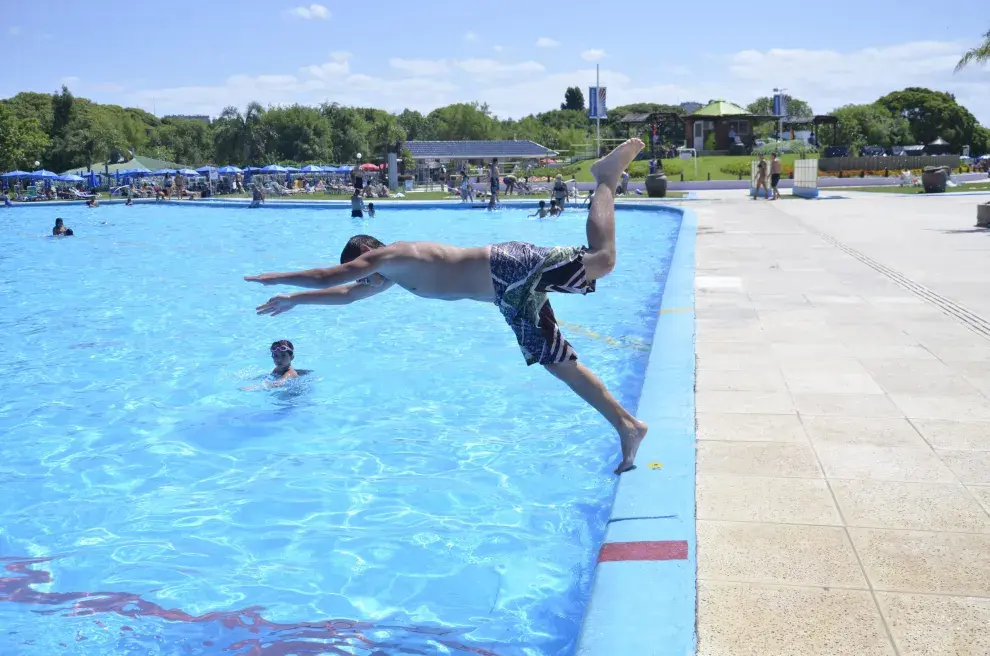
x,y
672,310
655,465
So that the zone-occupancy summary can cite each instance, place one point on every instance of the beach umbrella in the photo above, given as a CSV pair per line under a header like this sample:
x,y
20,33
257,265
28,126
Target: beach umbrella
x,y
369,167
188,172
15,174
164,171
69,177
292,169
329,169
346,168
206,169
229,170
311,169
274,168
252,169
42,175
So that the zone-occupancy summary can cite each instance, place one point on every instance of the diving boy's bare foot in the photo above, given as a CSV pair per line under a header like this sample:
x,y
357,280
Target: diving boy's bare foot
x,y
631,436
608,169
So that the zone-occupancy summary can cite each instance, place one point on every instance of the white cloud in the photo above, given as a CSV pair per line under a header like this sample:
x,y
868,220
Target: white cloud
x,y
497,68
13,30
426,67
516,98
546,42
498,48
470,36
311,12
593,55
106,87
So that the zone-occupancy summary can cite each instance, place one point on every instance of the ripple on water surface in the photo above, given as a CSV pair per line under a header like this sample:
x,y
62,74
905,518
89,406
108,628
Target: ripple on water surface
x,y
421,491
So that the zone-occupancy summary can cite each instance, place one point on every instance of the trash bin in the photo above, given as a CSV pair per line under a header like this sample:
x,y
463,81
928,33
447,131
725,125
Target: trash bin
x,y
983,215
933,179
656,185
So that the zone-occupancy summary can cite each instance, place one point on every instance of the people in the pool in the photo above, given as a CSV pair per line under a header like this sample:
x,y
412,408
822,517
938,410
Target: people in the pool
x,y
516,276
541,212
6,200
257,196
60,230
371,210
92,202
555,209
357,205
283,353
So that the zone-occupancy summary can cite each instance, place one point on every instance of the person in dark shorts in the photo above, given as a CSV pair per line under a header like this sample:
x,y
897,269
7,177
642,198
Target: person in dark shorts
x,y
515,276
775,169
357,205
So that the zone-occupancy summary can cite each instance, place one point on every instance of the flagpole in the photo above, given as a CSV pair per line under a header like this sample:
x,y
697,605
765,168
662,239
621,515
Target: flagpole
x,y
598,115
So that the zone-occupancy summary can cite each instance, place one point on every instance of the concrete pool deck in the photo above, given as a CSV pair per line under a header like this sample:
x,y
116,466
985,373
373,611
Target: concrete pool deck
x,y
843,425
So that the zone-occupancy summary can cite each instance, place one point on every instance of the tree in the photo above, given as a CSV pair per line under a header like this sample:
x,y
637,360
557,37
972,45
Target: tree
x,y
299,134
870,125
932,114
417,126
979,55
90,138
348,131
465,121
573,99
22,141
795,106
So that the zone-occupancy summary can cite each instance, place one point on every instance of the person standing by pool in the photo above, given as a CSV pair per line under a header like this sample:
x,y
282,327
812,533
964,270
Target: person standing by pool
x,y
761,177
560,191
257,195
516,276
357,205
775,169
493,182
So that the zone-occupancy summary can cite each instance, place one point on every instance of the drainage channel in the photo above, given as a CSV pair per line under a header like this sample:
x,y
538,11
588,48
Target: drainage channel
x,y
971,320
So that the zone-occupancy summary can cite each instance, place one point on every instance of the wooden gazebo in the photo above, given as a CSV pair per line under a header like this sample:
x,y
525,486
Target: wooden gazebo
x,y
727,121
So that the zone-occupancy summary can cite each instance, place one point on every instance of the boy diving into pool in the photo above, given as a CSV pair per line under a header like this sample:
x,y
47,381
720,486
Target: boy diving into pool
x,y
515,276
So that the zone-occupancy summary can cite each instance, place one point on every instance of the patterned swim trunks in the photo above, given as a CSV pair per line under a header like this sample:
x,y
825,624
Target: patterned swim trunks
x,y
522,275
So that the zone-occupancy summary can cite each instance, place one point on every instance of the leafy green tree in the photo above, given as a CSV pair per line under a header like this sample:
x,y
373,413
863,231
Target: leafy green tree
x,y
573,99
348,132
90,138
932,114
869,125
465,121
417,126
795,106
299,134
385,132
978,55
22,141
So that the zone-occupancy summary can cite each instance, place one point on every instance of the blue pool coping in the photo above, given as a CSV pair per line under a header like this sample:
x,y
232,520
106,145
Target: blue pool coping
x,y
647,607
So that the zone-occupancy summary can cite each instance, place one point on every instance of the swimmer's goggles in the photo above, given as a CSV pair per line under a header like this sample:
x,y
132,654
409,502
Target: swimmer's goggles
x,y
281,348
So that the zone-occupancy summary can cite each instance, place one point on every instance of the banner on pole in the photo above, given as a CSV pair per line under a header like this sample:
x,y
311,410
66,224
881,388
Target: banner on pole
x,y
779,105
596,102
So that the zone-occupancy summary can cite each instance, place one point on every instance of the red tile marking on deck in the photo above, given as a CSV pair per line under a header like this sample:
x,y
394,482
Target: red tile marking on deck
x,y
654,550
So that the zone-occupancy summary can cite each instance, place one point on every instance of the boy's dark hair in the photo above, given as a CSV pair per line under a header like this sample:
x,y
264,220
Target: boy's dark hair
x,y
543,203
371,206
283,342
553,203
352,250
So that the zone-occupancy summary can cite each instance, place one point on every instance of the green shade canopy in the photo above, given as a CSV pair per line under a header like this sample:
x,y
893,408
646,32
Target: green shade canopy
x,y
718,108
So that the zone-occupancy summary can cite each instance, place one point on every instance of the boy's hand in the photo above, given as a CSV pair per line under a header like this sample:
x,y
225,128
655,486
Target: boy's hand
x,y
277,305
264,279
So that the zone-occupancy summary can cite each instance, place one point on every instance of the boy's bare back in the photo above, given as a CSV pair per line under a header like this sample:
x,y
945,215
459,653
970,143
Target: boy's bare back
x,y
433,270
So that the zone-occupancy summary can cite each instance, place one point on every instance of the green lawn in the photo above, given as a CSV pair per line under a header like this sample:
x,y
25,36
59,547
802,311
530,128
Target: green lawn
x,y
711,164
976,186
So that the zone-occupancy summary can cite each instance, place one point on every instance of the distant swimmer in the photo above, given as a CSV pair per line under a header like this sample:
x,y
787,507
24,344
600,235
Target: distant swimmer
x,y
371,210
92,202
517,277
60,230
357,205
555,209
257,196
6,201
541,212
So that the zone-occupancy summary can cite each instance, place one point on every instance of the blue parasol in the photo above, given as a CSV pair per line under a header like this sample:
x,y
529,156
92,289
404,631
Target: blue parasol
x,y
69,177
164,171
274,168
229,170
311,169
252,169
42,175
292,169
16,174
206,169
188,172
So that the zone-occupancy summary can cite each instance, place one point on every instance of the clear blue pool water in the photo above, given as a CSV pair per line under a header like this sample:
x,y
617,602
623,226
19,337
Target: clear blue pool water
x,y
421,492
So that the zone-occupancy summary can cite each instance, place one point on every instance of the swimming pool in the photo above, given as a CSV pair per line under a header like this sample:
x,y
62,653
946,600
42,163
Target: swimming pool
x,y
420,490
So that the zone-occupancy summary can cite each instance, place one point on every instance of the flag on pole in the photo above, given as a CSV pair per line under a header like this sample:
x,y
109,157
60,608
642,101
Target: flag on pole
x,y
596,102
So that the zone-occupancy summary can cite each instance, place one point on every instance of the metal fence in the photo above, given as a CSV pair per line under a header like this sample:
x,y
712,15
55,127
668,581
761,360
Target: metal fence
x,y
892,163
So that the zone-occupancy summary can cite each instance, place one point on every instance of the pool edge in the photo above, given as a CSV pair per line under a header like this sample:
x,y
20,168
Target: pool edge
x,y
644,590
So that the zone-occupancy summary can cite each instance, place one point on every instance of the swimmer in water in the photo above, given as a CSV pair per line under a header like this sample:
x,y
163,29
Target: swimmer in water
x,y
517,277
555,210
371,210
6,201
282,355
257,196
92,202
542,211
357,205
60,230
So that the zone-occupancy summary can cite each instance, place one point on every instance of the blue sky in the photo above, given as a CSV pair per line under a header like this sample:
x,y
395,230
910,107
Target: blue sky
x,y
516,56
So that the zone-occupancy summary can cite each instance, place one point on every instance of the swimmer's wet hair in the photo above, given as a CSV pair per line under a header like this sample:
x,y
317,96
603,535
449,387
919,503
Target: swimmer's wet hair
x,y
352,250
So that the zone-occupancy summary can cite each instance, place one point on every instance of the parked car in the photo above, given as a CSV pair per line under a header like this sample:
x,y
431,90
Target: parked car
x,y
872,151
838,151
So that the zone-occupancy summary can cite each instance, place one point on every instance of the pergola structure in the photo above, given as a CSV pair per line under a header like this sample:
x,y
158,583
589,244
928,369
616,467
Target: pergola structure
x,y
726,121
816,122
655,121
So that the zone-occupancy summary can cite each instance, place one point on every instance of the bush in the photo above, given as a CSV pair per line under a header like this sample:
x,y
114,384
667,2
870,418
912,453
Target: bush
x,y
710,141
671,166
639,169
737,168
799,148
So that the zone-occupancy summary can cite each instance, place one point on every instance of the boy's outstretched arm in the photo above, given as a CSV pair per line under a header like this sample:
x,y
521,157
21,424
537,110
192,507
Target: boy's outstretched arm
x,y
340,295
363,266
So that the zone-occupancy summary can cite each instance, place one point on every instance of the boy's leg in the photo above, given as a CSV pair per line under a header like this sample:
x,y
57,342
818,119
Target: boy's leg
x,y
600,259
590,388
